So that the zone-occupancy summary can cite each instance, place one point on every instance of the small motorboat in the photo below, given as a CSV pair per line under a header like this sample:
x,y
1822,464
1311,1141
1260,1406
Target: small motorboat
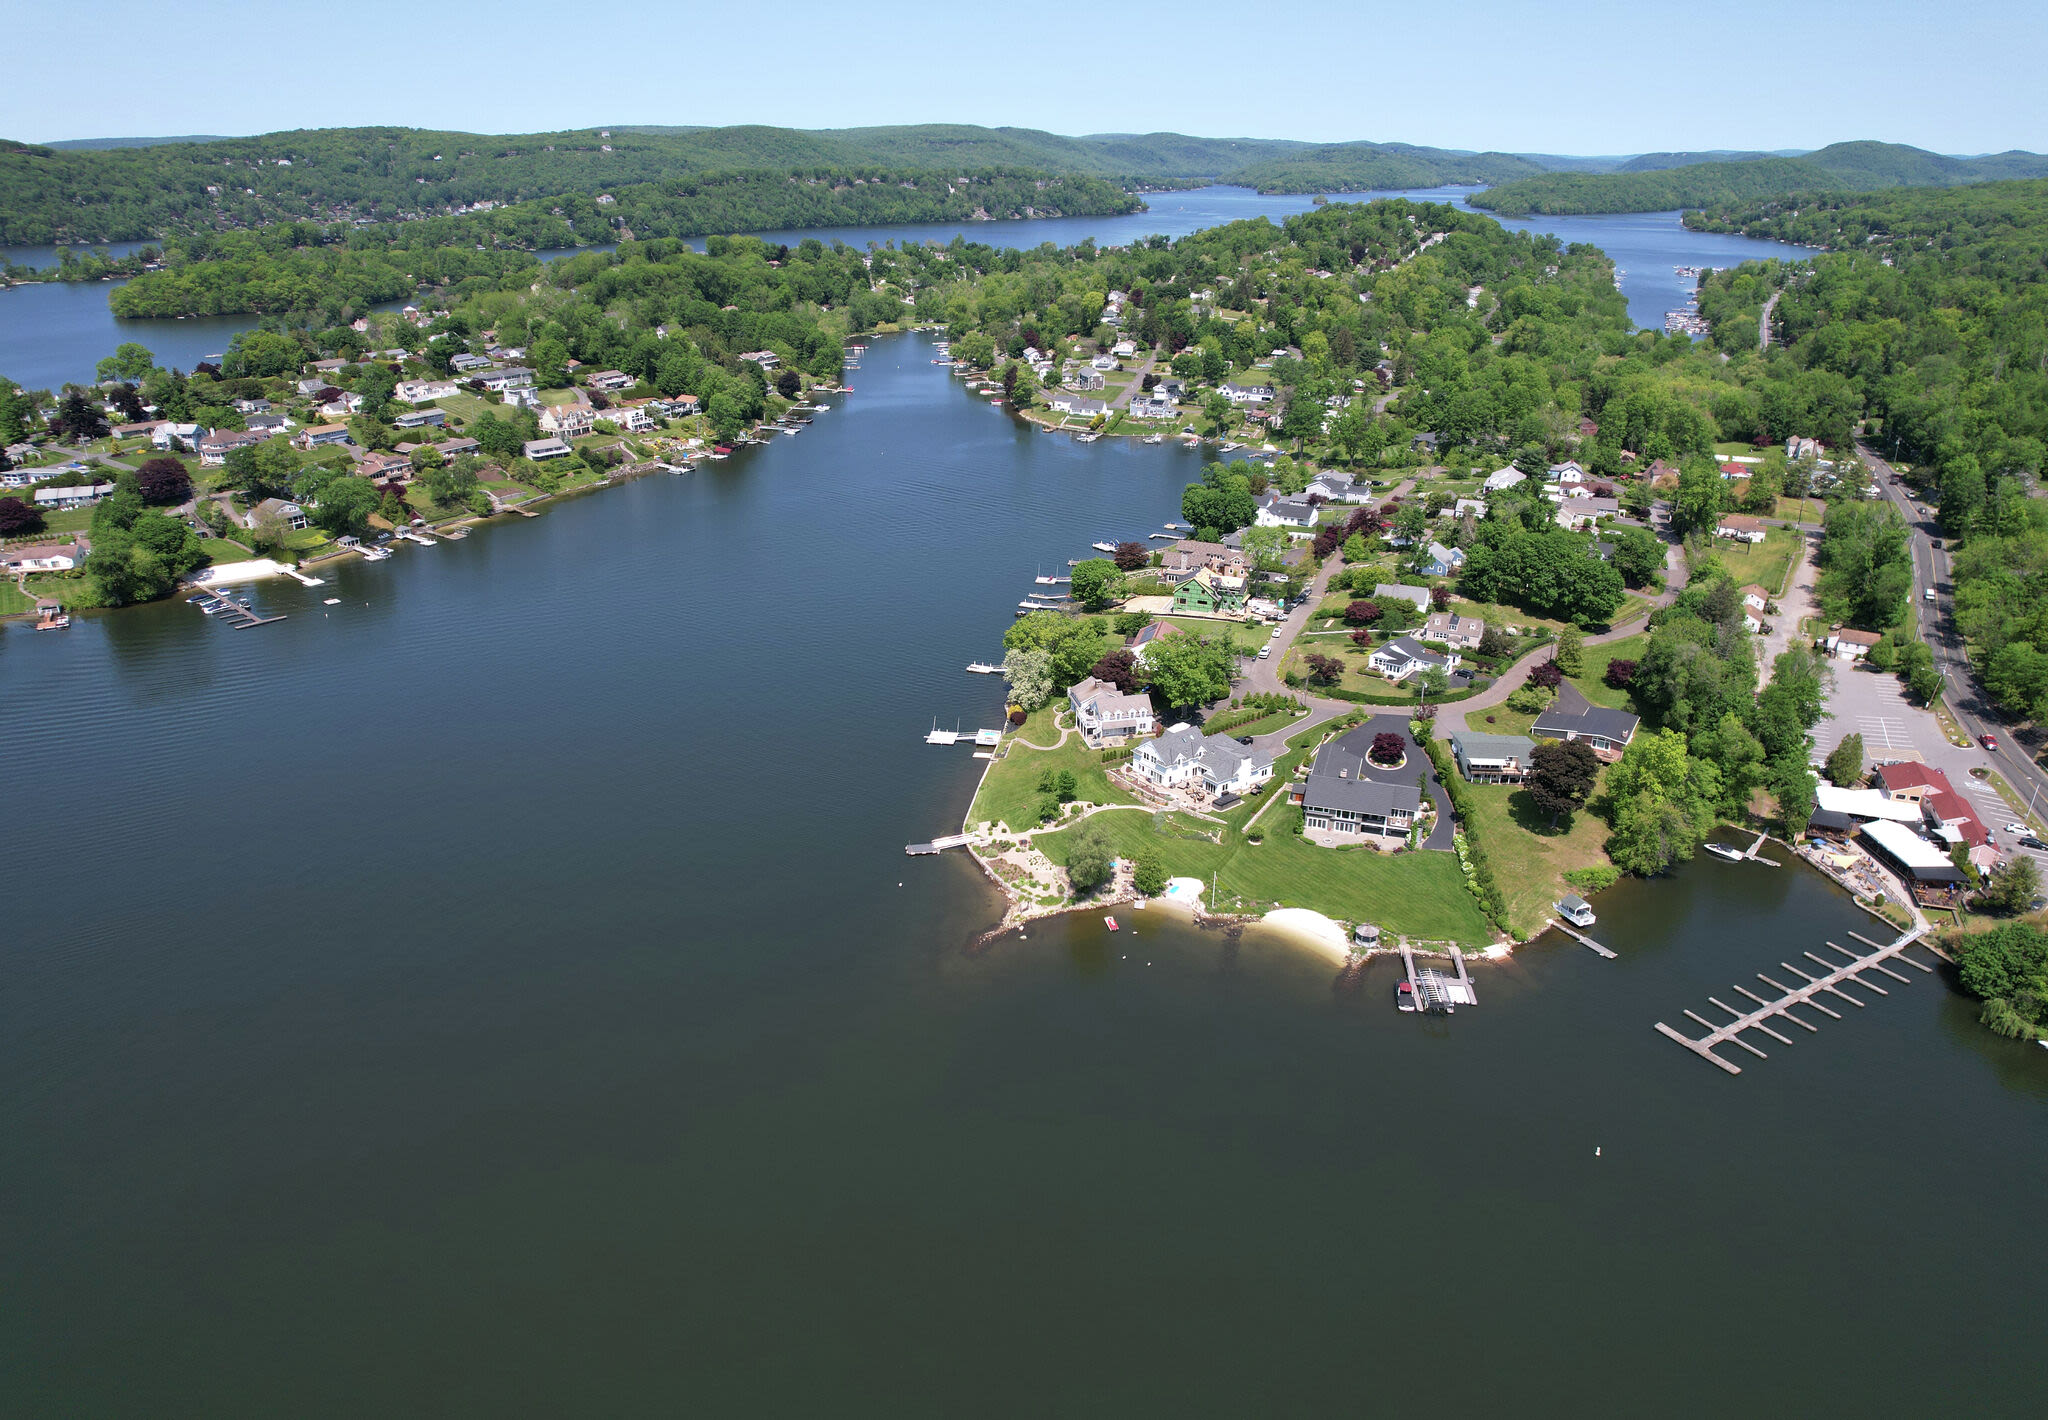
x,y
1576,910
1110,922
1103,546
1404,997
1722,850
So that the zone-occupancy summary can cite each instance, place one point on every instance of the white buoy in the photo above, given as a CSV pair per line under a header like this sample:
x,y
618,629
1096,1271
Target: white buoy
x,y
1596,1151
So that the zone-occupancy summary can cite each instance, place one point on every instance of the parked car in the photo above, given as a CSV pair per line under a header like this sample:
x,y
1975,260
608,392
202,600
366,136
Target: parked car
x,y
2027,840
1989,742
1244,739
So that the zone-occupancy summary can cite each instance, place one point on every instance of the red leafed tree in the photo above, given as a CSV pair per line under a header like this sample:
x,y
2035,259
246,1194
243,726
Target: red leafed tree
x,y
1130,556
164,481
1388,747
1546,675
1362,613
1620,674
1119,668
1324,670
1440,597
1362,638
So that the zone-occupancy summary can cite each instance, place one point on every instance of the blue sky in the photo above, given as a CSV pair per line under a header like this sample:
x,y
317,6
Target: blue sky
x,y
1588,77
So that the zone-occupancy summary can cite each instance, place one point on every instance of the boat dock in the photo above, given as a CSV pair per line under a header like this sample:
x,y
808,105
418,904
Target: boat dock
x,y
234,614
1756,855
1581,937
937,845
1435,993
983,668
296,575
1830,982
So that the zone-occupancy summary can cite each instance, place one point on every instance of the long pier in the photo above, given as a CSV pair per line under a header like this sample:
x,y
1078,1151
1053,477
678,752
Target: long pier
x,y
1830,980
1581,938
937,845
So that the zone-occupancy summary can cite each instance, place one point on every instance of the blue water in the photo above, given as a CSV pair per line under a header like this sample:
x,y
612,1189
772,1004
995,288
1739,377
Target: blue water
x,y
53,333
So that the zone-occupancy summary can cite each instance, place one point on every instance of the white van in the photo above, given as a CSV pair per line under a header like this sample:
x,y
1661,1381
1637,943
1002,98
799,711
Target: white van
x,y
1264,652
1927,595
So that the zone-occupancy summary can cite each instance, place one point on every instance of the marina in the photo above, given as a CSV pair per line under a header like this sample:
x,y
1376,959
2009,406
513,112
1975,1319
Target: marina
x,y
1833,976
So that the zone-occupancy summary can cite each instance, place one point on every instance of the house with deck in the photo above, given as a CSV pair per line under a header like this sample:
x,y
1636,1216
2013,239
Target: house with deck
x,y
1492,759
1184,756
1106,715
1405,656
1571,717
1341,800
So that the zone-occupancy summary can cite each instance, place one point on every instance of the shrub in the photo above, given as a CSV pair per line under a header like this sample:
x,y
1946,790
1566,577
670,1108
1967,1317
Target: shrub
x,y
1362,613
1595,878
1620,674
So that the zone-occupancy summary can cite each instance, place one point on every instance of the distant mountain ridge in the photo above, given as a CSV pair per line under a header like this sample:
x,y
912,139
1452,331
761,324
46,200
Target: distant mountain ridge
x,y
1862,166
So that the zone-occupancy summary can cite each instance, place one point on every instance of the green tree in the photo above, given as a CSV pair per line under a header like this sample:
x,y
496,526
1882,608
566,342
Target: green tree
x,y
1149,875
1661,803
1561,777
1571,651
1089,857
1845,762
130,361
345,506
1702,497
1190,670
2012,886
1097,583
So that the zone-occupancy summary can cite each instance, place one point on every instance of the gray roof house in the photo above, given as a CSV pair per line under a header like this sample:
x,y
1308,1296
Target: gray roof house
x,y
1451,629
1404,656
1184,754
1340,799
1492,759
1401,591
1572,717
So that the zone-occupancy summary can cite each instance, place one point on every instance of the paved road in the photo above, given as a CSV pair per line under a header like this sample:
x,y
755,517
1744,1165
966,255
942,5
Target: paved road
x,y
1123,396
1966,698
1763,322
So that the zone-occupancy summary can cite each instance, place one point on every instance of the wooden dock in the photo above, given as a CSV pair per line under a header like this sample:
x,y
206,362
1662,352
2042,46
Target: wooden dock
x,y
1581,938
1756,855
937,845
1830,981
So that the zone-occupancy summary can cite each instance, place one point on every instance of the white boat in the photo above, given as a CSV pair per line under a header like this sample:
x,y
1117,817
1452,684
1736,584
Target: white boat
x,y
1576,910
1722,850
1103,546
984,668
1156,439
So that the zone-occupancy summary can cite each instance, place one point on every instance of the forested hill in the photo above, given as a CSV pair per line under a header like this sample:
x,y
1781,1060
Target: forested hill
x,y
111,190
1842,167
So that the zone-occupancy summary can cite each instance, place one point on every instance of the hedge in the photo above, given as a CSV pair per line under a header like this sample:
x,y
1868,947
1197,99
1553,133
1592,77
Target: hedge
x,y
1484,887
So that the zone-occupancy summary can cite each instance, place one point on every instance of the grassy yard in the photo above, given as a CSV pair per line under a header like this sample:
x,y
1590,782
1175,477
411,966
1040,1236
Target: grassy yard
x,y
1764,563
12,600
1800,510
1246,638
1530,861
66,521
219,549
1415,894
1593,683
1009,793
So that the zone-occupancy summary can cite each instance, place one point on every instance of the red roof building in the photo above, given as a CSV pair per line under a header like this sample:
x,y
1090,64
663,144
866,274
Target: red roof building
x,y
1912,781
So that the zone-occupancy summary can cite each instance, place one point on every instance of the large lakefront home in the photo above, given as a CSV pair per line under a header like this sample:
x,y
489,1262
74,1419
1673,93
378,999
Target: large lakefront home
x,y
1209,593
1492,759
1342,801
1106,715
1184,756
1572,717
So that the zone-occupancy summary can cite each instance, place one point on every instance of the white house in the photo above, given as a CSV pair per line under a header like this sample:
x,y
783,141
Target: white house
x,y
42,557
1756,598
1500,480
1740,527
1246,394
539,449
290,514
1338,488
164,435
1105,713
1573,513
1287,513
616,379
1104,362
1184,755
1063,402
567,421
424,391
1475,506
1404,656
1567,472
1849,645
512,377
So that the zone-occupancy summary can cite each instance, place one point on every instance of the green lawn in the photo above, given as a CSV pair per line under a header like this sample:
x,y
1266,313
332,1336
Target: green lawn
x,y
67,520
1764,563
467,407
1592,682
1529,861
12,601
221,550
1009,792
1800,510
1246,637
1415,894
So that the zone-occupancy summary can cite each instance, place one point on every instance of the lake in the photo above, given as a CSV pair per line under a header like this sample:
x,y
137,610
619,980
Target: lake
x,y
504,992
50,333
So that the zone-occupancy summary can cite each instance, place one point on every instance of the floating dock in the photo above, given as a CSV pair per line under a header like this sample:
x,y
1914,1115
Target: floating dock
x,y
1581,938
983,668
1830,982
937,845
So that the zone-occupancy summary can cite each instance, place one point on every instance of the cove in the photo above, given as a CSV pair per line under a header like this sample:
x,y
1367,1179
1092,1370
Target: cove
x,y
493,994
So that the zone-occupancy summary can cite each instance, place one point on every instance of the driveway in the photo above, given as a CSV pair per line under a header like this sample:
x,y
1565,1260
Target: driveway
x,y
1360,740
1793,608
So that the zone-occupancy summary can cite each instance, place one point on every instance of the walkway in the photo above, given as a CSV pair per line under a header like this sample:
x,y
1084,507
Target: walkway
x,y
1123,396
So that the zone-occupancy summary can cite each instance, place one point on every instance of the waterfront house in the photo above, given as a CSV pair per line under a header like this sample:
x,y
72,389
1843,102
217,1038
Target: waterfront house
x,y
77,496
680,406
513,377
1286,513
1404,656
1338,488
766,359
1571,717
1851,645
421,418
1152,407
1184,756
1914,857
541,449
1402,592
1740,527
1082,377
610,380
1500,480
1342,800
1062,402
1843,809
457,446
567,421
1245,394
290,514
41,557
629,418
315,436
1441,561
1492,759
1450,629
1175,390
1106,715
1209,593
1184,559
468,364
